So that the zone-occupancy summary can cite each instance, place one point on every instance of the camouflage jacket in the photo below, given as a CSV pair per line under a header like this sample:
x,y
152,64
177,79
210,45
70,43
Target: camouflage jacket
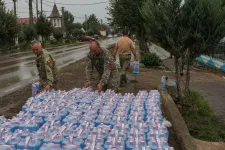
x,y
103,63
47,69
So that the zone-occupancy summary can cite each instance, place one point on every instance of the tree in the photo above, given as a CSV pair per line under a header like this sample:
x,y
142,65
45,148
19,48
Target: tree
x,y
129,19
58,34
21,37
92,24
78,25
30,32
68,21
206,27
44,26
90,32
106,28
8,26
77,32
196,25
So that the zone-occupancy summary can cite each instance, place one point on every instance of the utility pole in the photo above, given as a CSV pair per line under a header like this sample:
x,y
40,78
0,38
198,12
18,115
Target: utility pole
x,y
14,1
41,7
16,36
86,23
63,24
37,7
30,12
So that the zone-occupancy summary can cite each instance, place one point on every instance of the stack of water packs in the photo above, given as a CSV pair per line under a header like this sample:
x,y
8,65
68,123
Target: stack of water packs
x,y
82,119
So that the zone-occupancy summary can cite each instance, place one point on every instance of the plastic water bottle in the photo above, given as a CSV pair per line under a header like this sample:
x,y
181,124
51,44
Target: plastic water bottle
x,y
6,147
136,67
25,133
50,146
130,144
154,145
34,144
13,140
163,83
35,88
71,147
57,139
22,144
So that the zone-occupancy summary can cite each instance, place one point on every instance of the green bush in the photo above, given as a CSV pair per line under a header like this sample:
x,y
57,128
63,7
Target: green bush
x,y
150,60
21,37
24,46
58,35
29,32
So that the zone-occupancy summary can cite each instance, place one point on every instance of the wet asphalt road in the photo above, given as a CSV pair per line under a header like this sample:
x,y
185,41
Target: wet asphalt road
x,y
18,71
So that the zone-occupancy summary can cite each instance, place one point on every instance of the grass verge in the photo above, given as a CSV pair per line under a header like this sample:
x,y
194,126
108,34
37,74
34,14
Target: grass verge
x,y
201,121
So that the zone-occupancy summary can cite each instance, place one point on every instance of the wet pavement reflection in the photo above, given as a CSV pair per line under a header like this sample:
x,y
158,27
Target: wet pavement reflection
x,y
17,69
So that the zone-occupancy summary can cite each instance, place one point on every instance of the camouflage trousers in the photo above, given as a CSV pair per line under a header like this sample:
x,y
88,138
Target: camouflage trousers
x,y
124,63
113,82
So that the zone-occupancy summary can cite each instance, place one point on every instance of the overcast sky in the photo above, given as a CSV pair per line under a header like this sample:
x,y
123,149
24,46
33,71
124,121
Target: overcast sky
x,y
78,11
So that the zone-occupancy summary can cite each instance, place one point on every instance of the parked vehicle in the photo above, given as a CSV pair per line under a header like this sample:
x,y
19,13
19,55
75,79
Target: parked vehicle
x,y
110,36
96,36
119,34
86,38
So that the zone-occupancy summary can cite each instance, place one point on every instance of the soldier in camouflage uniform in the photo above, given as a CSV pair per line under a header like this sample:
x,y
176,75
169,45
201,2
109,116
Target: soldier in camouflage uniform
x,y
46,66
124,47
102,60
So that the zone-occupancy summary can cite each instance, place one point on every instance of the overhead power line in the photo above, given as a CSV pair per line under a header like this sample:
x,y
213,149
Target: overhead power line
x,y
48,11
78,4
47,4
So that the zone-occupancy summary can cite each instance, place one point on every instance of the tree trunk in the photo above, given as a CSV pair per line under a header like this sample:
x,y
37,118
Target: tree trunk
x,y
187,82
30,12
142,42
179,92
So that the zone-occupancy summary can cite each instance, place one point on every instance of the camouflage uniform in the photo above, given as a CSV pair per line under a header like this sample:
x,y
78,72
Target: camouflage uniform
x,y
125,63
47,70
106,67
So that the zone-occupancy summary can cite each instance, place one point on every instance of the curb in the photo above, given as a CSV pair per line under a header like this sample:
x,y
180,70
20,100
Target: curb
x,y
179,125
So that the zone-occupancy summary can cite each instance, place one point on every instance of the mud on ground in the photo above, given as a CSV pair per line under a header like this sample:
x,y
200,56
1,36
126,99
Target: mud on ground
x,y
73,76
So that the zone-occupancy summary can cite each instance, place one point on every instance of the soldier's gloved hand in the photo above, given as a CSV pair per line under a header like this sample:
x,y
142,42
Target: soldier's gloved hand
x,y
47,88
87,84
99,87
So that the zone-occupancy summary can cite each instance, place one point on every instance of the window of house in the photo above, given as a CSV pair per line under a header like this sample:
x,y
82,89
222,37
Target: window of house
x,y
54,22
58,23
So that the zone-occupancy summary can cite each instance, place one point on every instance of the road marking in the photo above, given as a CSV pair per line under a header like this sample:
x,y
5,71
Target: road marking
x,y
11,89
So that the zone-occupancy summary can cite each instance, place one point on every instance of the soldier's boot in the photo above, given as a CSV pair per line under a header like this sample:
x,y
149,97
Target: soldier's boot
x,y
123,79
104,88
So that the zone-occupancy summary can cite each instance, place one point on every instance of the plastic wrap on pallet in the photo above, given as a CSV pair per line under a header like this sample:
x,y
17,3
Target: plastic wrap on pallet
x,y
83,119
